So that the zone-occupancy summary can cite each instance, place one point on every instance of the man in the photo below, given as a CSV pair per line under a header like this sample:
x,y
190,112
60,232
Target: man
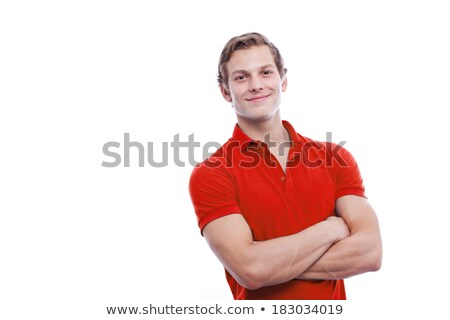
x,y
286,215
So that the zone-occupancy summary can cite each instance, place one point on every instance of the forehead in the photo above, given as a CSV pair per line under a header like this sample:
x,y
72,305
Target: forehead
x,y
250,59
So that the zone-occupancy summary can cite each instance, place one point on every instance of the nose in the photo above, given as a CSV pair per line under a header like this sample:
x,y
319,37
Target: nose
x,y
255,84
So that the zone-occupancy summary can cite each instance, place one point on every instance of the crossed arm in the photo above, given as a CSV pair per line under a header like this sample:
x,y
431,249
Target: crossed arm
x,y
336,248
360,252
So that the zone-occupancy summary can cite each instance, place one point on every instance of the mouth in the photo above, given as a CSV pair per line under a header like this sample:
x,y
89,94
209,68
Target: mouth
x,y
258,98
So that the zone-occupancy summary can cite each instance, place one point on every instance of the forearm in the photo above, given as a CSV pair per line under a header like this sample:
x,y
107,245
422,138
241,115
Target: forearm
x,y
259,264
359,253
282,259
351,256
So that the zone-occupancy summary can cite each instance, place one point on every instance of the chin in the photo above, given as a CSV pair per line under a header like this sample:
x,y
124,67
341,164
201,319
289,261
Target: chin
x,y
257,112
258,117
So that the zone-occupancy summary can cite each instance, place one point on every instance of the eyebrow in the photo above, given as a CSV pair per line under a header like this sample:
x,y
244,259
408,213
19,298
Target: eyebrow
x,y
260,68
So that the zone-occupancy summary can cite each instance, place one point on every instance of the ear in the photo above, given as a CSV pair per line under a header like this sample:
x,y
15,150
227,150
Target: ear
x,y
284,84
225,93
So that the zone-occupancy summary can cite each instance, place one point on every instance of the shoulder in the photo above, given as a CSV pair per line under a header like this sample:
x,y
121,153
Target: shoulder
x,y
333,154
215,167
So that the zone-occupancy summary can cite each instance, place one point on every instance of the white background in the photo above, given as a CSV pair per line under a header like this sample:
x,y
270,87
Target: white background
x,y
76,237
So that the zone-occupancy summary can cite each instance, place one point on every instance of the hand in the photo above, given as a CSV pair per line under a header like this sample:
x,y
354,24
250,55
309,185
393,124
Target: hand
x,y
338,227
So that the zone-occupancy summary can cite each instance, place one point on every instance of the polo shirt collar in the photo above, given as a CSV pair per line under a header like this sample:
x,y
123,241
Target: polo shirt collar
x,y
244,140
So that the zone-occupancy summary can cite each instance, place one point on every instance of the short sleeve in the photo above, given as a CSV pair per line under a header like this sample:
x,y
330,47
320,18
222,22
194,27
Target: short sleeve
x,y
213,193
348,176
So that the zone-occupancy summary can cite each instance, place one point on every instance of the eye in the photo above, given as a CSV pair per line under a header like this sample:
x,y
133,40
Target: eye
x,y
239,78
267,72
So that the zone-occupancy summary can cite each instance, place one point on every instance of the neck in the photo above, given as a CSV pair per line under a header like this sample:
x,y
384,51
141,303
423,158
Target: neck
x,y
257,130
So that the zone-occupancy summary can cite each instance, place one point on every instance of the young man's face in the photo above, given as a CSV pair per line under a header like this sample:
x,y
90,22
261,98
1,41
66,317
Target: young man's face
x,y
254,84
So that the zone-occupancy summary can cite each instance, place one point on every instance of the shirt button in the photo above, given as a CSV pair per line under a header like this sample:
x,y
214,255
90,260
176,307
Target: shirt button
x,y
283,178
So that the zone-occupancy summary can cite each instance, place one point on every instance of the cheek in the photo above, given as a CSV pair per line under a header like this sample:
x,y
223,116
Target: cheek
x,y
233,96
236,94
278,85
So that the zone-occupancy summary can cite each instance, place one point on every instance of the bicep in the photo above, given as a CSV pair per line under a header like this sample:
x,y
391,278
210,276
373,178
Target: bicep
x,y
231,240
358,214
365,237
228,237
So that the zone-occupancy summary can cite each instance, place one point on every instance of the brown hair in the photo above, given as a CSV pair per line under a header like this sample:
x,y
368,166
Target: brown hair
x,y
246,41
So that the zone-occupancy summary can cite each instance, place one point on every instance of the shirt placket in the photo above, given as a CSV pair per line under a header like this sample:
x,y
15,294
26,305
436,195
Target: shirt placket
x,y
293,157
272,164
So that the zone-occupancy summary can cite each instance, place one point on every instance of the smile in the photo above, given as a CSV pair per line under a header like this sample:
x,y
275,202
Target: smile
x,y
258,98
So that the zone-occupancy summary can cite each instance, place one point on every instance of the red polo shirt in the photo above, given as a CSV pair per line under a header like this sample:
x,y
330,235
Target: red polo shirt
x,y
244,177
